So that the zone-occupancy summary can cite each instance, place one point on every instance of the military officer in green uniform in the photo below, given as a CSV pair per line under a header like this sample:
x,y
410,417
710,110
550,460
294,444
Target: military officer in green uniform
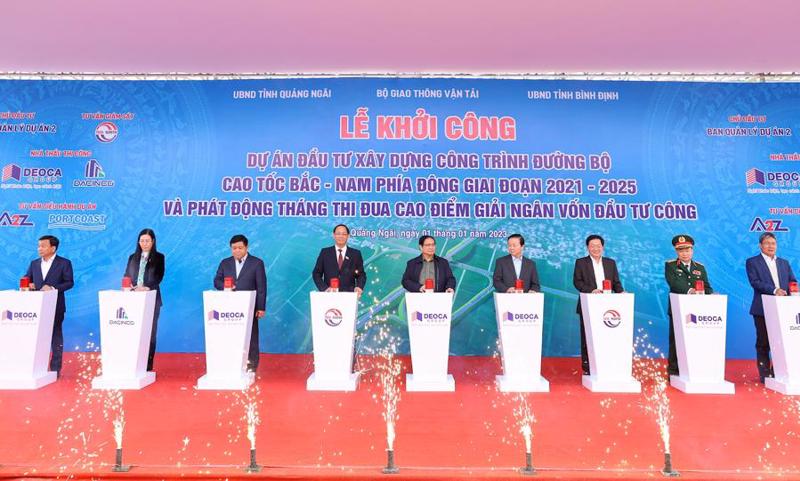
x,y
682,275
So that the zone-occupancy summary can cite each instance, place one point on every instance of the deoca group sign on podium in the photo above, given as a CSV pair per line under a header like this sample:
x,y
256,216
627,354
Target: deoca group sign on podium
x,y
429,318
228,323
519,324
26,329
700,326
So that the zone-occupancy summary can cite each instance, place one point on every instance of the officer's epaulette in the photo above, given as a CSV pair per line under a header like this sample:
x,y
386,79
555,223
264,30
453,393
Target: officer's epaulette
x,y
698,263
674,261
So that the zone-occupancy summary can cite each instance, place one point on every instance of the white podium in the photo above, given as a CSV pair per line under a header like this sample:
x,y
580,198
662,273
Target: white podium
x,y
519,324
608,322
228,323
429,317
333,326
699,322
26,330
126,321
782,315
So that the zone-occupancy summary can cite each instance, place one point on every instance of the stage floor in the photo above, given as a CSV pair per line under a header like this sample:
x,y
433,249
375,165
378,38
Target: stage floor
x,y
173,430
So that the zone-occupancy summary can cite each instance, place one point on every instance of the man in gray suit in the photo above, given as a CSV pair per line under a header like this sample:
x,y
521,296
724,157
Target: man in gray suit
x,y
508,269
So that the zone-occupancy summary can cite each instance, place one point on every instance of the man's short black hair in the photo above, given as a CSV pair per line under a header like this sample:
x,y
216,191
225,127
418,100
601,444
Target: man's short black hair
x,y
593,237
761,238
424,238
517,236
53,240
238,238
341,225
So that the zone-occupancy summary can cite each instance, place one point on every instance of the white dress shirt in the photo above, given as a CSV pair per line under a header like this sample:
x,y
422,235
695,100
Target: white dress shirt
x,y
599,274
517,265
772,265
46,265
239,264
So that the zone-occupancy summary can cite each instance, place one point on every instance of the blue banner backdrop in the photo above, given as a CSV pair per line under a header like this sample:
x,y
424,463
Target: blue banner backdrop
x,y
469,160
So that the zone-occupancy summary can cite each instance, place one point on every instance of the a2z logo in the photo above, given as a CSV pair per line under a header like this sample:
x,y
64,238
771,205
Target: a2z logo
x,y
14,220
767,225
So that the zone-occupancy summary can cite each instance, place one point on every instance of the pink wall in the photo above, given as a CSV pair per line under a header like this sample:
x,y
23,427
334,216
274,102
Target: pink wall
x,y
515,36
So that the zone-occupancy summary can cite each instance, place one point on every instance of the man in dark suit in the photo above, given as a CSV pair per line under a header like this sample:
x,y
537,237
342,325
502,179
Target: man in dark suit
x,y
428,266
340,262
508,269
682,275
50,272
771,275
248,274
588,277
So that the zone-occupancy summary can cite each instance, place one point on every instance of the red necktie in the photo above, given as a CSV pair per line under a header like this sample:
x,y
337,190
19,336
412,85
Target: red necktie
x,y
340,260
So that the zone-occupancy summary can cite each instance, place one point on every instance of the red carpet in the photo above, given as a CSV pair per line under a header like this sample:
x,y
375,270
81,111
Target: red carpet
x,y
174,431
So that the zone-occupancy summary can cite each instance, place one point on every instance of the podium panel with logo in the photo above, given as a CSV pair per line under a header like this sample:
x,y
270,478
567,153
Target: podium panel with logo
x,y
429,316
126,321
228,322
608,321
700,322
782,316
333,327
519,324
26,330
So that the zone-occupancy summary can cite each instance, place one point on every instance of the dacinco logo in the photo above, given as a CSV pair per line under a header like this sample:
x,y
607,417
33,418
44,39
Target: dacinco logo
x,y
11,317
333,317
106,132
120,318
215,316
693,320
521,318
95,176
611,318
429,317
796,326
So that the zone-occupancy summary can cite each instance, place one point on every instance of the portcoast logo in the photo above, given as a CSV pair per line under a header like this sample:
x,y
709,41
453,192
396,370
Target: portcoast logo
x,y
84,222
333,317
612,318
520,318
796,326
